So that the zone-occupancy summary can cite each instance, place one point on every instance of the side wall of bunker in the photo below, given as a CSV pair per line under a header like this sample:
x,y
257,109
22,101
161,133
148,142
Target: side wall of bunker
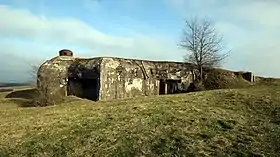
x,y
124,78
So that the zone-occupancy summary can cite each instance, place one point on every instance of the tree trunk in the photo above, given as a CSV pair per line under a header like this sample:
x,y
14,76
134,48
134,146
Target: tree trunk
x,y
193,75
200,71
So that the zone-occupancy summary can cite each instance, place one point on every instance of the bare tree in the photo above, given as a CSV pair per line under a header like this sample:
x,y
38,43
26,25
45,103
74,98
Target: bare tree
x,y
42,96
34,67
34,70
203,44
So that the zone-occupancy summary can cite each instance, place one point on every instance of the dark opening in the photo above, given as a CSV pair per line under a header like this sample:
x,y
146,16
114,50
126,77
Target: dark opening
x,y
172,86
84,88
161,87
83,81
191,88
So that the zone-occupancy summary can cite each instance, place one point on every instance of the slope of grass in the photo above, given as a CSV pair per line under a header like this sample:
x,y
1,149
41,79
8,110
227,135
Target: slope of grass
x,y
225,79
235,122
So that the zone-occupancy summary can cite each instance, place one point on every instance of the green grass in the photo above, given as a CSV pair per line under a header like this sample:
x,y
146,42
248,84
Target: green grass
x,y
230,122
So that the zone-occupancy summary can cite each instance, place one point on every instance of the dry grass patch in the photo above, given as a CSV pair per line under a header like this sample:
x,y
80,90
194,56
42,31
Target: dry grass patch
x,y
236,122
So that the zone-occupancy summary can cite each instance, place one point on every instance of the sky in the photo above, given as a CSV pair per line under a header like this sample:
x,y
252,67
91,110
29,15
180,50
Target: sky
x,y
32,31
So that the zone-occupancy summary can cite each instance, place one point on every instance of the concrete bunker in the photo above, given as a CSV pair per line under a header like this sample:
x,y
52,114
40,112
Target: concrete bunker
x,y
106,78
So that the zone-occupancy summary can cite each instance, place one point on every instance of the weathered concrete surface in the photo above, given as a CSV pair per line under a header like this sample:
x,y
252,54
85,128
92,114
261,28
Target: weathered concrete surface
x,y
111,78
122,78
52,79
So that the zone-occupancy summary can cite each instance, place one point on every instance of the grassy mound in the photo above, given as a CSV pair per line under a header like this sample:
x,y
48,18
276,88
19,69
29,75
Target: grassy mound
x,y
267,81
239,122
224,79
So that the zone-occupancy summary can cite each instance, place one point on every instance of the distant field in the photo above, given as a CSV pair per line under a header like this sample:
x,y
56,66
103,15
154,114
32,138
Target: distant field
x,y
228,122
8,87
2,85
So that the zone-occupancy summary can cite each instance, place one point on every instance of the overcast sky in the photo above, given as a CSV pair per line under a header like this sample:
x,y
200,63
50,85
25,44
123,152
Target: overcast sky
x,y
32,31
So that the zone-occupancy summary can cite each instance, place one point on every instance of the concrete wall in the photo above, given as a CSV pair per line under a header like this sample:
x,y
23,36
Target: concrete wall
x,y
125,78
52,79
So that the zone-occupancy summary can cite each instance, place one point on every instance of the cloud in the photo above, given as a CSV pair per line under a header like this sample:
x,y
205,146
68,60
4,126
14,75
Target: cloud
x,y
259,43
250,28
253,13
30,37
25,25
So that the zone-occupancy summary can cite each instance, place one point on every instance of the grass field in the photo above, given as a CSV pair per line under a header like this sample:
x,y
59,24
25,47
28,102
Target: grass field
x,y
229,122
